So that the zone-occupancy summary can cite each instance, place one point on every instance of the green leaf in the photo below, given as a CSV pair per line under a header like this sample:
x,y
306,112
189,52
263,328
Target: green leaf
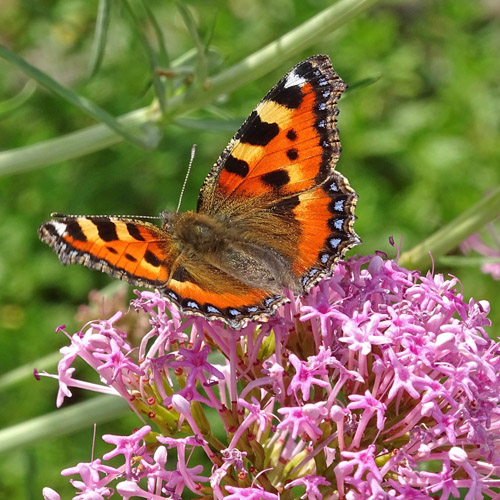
x,y
100,36
154,63
363,83
208,125
163,57
202,63
162,85
146,141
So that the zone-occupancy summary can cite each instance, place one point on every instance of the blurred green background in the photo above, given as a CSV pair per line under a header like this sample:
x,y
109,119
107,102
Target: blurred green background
x,y
421,143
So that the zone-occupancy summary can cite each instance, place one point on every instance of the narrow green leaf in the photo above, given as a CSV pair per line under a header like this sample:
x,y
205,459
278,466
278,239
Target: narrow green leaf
x,y
163,59
100,36
146,141
363,83
152,58
10,105
207,125
202,63
210,32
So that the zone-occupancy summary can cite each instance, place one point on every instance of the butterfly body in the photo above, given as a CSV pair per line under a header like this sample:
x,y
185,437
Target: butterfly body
x,y
273,213
232,247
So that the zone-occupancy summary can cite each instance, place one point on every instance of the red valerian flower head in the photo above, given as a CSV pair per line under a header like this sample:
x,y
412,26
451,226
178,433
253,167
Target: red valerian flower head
x,y
381,383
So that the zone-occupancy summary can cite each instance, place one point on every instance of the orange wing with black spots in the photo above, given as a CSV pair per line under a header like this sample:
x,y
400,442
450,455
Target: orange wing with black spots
x,y
273,213
287,145
132,250
278,172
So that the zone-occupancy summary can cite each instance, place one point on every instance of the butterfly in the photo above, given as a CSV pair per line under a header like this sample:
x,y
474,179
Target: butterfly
x,y
272,214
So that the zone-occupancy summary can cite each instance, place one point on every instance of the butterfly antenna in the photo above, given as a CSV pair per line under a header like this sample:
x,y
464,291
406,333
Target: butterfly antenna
x,y
193,152
59,215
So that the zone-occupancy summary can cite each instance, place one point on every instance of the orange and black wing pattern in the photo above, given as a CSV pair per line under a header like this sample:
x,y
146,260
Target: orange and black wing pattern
x,y
202,289
276,180
128,249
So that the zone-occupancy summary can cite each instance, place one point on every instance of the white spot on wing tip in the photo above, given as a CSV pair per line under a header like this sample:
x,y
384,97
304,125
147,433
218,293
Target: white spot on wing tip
x,y
293,79
60,227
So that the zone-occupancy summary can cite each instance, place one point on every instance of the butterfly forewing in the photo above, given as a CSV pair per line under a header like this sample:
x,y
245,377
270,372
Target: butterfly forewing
x,y
287,145
133,250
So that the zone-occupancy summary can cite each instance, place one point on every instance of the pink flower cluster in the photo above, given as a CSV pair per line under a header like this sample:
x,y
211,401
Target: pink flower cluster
x,y
381,383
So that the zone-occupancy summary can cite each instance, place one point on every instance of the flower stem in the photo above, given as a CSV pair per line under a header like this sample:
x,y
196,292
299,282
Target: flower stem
x,y
447,238
52,425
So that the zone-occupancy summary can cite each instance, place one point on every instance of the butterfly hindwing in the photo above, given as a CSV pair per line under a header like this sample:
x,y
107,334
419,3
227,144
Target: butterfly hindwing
x,y
204,290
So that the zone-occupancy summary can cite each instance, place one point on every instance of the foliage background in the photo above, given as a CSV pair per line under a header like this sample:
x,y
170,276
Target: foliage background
x,y
420,145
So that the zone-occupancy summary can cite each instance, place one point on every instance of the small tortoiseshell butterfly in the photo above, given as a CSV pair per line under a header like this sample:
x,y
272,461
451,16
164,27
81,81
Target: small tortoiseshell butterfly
x,y
272,214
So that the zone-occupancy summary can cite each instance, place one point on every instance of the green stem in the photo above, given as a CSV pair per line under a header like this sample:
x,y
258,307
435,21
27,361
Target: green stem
x,y
449,237
61,422
69,146
466,261
25,371
98,137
